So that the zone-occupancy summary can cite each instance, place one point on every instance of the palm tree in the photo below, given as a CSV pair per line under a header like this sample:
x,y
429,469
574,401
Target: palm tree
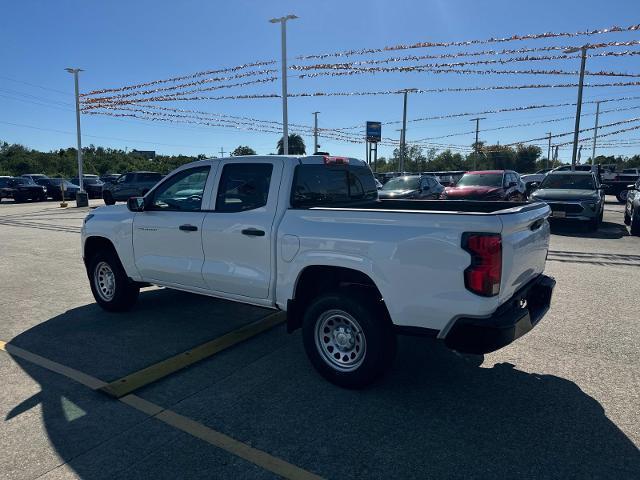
x,y
296,145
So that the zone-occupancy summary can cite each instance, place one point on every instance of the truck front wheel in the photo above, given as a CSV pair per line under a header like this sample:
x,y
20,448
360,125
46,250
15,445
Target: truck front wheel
x,y
110,285
348,338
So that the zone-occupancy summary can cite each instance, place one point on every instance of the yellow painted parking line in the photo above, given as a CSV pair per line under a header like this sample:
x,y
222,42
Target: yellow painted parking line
x,y
213,437
153,373
73,374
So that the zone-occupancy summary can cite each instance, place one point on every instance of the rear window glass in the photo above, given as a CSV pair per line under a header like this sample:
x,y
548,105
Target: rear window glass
x,y
326,185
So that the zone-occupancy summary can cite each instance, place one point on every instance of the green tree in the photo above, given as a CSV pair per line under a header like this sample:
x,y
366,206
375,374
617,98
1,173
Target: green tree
x,y
499,157
243,150
296,145
526,157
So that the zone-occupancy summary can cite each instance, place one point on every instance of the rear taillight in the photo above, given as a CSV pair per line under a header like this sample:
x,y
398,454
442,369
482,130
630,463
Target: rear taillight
x,y
483,276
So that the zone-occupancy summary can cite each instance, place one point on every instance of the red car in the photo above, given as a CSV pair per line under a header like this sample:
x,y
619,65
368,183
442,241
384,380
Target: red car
x,y
487,185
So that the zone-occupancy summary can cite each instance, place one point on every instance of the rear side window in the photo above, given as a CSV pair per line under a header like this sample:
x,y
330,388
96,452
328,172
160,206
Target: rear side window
x,y
243,186
327,185
149,177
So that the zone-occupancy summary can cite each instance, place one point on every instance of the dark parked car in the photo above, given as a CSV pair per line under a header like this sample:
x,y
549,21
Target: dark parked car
x,y
488,185
573,195
132,184
4,190
91,184
421,187
54,188
632,208
22,189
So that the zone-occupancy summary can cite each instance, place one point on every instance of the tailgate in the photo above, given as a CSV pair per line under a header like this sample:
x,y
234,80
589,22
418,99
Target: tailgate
x,y
525,242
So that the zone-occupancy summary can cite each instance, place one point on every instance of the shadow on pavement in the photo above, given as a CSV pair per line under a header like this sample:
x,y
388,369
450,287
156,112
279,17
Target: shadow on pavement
x,y
606,231
436,415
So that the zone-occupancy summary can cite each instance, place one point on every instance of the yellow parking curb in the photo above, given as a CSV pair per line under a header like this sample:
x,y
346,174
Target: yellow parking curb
x,y
153,373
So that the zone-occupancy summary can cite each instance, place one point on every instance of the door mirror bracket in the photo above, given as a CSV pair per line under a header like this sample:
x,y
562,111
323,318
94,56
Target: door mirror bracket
x,y
135,204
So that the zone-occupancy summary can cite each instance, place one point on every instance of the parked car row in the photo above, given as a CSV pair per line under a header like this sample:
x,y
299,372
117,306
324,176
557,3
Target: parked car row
x,y
21,189
111,187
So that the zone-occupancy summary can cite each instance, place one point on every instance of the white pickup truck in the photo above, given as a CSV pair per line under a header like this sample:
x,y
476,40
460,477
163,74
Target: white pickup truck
x,y
309,236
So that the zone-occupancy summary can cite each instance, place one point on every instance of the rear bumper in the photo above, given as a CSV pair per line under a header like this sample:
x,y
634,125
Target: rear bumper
x,y
510,321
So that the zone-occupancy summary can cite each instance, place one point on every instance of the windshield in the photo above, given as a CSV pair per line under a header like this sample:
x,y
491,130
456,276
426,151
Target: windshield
x,y
569,181
480,180
22,181
402,183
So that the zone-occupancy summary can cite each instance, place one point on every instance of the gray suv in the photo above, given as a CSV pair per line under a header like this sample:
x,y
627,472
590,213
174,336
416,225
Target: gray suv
x,y
572,195
132,184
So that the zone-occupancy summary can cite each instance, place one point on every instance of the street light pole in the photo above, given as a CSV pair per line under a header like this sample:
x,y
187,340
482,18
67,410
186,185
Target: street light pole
x,y
595,135
576,130
476,145
549,150
285,119
315,132
403,137
80,198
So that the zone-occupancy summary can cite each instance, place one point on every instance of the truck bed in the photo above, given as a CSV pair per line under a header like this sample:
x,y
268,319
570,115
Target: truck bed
x,y
446,206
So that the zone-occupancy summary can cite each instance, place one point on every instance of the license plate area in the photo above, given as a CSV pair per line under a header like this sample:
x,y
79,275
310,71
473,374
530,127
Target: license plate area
x,y
558,214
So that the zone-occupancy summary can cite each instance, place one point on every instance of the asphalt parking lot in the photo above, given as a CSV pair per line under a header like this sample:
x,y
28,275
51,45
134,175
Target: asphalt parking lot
x,y
562,402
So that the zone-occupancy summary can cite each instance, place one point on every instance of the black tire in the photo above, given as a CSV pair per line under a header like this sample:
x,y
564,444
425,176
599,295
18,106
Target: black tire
x,y
627,219
18,199
124,294
634,225
108,198
376,334
621,196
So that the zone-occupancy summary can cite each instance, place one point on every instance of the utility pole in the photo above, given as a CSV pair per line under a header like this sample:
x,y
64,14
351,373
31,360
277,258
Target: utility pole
x,y
81,197
316,147
595,135
221,152
549,150
285,119
476,145
404,128
401,130
576,130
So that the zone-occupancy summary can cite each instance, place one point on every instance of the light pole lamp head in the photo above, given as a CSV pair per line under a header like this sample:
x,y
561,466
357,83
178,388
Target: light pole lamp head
x,y
283,19
74,70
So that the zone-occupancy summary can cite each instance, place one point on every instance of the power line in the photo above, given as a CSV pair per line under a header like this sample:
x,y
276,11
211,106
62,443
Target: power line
x,y
36,85
33,127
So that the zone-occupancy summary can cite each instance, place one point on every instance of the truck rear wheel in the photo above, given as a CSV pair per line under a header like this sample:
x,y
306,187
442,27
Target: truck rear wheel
x,y
110,285
348,338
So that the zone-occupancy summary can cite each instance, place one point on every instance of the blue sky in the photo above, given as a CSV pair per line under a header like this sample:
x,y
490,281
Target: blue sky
x,y
119,43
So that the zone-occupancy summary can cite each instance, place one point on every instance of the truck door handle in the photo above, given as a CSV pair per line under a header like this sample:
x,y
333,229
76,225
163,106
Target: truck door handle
x,y
188,228
253,232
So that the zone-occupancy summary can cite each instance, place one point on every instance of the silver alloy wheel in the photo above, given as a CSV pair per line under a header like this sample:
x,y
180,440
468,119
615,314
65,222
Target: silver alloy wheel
x,y
340,340
105,281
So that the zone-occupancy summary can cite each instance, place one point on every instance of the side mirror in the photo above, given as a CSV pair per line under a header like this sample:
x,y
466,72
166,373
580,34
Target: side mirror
x,y
513,184
135,204
534,186
629,187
